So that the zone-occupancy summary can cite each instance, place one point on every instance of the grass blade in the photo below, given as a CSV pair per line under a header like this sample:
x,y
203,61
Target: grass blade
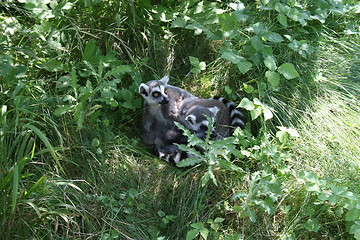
x,y
47,143
15,187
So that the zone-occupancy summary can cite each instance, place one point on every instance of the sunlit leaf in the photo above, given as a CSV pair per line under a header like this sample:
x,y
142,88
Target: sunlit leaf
x,y
273,78
288,71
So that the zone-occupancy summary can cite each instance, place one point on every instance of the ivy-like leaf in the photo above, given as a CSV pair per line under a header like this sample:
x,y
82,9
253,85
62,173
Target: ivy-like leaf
x,y
273,78
288,71
270,63
244,66
192,234
246,104
255,113
273,37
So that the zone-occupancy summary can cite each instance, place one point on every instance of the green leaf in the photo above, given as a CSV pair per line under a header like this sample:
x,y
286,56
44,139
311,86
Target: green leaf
x,y
258,28
228,21
95,142
270,63
91,51
189,162
288,71
161,213
312,225
244,66
248,88
352,215
179,22
35,186
273,37
282,136
234,58
267,114
198,225
355,229
282,19
219,220
133,193
246,104
257,43
273,78
204,233
255,113
192,234
63,109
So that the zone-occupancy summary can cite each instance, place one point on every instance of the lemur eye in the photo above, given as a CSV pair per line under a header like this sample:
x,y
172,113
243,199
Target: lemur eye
x,y
165,91
156,94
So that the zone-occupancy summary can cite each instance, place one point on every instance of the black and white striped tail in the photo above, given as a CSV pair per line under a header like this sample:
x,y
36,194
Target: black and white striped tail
x,y
237,117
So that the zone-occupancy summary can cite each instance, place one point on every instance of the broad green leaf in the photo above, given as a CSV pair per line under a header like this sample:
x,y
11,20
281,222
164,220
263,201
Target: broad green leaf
x,y
270,63
133,193
204,233
312,225
194,61
63,109
282,136
282,19
255,113
246,104
228,21
355,229
258,28
198,225
352,215
273,37
91,51
179,22
281,8
189,162
192,234
95,142
267,114
234,58
257,43
288,71
273,78
248,88
244,66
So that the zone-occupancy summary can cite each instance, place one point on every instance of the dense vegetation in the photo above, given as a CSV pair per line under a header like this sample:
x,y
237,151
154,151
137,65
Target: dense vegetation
x,y
72,164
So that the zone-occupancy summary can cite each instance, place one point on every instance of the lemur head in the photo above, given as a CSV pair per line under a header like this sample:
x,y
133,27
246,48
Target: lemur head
x,y
197,122
155,92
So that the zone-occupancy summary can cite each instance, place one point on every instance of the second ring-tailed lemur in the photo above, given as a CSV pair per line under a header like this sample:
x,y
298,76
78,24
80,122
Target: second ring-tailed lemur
x,y
223,113
193,115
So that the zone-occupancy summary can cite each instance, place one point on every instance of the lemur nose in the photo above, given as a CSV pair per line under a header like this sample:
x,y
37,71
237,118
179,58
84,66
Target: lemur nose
x,y
164,101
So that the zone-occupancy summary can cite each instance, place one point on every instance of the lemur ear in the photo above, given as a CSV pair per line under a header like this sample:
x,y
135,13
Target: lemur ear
x,y
144,89
191,119
164,80
214,110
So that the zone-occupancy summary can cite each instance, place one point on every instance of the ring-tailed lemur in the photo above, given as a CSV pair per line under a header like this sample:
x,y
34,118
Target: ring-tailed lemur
x,y
224,114
162,104
193,115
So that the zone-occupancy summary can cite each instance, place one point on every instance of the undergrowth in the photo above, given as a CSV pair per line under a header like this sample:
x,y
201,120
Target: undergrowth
x,y
72,164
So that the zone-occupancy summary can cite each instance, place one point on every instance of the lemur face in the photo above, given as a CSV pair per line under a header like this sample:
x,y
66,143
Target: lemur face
x,y
197,122
155,92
